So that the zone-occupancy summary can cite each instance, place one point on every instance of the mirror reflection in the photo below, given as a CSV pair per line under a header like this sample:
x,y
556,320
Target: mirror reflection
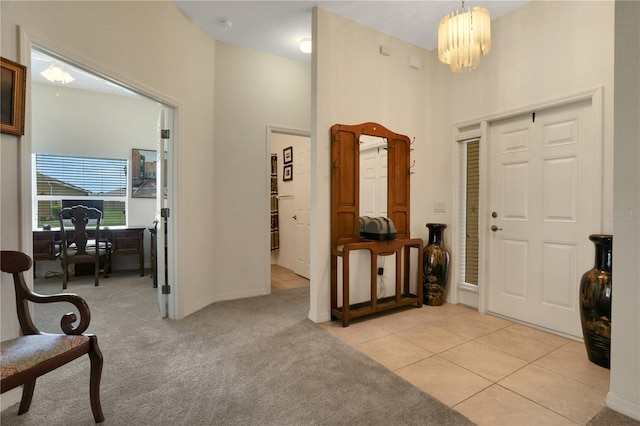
x,y
373,176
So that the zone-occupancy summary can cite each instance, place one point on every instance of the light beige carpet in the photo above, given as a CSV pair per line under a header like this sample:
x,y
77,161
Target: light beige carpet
x,y
256,361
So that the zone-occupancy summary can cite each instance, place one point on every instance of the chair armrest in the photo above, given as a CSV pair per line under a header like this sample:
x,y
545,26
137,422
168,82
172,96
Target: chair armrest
x,y
16,263
68,319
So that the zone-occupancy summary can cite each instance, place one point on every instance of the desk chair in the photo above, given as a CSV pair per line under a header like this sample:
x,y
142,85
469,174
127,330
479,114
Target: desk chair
x,y
76,224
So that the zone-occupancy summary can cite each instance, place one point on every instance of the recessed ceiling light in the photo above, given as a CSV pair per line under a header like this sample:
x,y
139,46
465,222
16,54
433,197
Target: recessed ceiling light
x,y
305,45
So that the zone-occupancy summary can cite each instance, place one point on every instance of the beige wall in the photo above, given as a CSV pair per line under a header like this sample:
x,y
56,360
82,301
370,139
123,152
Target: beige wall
x,y
253,91
624,395
356,84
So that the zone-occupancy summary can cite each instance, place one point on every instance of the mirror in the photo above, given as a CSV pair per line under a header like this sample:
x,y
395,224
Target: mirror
x,y
347,190
373,176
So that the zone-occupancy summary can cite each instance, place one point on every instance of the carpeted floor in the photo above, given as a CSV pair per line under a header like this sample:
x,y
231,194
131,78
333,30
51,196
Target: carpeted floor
x,y
256,361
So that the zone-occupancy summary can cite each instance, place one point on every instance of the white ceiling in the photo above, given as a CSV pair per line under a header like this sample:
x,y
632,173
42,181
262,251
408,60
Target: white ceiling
x,y
84,80
276,27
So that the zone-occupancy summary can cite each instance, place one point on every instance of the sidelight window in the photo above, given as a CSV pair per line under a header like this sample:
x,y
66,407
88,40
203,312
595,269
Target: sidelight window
x,y
471,202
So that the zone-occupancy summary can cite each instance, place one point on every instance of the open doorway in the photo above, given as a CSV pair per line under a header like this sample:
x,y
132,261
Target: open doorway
x,y
290,207
81,117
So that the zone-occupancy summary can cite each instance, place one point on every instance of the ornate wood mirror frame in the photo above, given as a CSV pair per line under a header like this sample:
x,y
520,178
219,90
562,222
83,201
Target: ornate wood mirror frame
x,y
345,180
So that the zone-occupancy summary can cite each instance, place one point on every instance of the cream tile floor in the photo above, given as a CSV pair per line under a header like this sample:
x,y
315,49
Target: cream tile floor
x,y
283,278
494,371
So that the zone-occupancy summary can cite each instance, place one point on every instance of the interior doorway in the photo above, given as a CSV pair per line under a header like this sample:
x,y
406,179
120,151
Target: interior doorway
x,y
292,150
78,112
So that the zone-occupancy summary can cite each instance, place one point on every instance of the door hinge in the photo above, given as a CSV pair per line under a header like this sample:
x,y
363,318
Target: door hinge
x,y
165,134
166,289
165,212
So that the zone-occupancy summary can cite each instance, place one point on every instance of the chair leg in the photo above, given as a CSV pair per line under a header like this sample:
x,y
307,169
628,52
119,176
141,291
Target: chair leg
x,y
27,395
96,273
65,276
95,356
107,266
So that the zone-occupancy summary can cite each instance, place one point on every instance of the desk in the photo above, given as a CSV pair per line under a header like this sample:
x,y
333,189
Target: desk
x,y
124,242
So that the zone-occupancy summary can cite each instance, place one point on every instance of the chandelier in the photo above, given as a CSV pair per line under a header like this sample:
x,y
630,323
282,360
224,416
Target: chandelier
x,y
464,36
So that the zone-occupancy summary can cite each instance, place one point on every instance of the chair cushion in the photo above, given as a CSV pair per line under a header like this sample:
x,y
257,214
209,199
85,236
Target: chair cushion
x,y
25,352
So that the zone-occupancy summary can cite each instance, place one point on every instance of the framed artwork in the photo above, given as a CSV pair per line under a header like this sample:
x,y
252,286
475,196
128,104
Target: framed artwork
x,y
287,153
143,173
288,173
13,84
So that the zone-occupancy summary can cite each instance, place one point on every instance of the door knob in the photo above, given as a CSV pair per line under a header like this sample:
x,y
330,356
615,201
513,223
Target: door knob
x,y
295,217
494,228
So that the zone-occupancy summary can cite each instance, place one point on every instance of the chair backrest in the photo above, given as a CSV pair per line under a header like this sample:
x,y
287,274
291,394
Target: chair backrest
x,y
80,217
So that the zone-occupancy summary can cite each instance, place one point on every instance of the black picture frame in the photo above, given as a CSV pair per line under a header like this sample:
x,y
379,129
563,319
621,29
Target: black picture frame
x,y
287,173
13,86
287,155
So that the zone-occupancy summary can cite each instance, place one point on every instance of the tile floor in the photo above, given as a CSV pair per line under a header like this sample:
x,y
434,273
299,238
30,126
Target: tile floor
x,y
283,278
494,371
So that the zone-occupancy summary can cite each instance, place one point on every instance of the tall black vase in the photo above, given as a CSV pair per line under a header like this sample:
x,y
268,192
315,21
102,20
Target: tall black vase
x,y
595,303
435,266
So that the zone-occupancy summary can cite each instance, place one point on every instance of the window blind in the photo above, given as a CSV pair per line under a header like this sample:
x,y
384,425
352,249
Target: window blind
x,y
60,177
67,175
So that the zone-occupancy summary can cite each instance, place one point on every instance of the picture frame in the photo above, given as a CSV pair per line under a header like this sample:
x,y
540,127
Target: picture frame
x,y
287,174
13,86
143,173
287,155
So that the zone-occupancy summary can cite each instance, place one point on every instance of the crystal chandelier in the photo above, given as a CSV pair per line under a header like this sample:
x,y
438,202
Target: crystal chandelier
x,y
464,36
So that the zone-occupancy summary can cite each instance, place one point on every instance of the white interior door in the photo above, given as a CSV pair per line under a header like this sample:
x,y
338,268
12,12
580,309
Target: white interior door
x,y
545,202
301,180
161,206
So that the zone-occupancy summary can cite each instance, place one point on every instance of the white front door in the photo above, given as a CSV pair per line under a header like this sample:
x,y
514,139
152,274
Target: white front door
x,y
302,181
545,186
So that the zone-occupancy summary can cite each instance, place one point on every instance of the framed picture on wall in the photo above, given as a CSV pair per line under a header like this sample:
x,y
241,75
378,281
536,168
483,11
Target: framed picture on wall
x,y
143,173
13,83
287,153
288,173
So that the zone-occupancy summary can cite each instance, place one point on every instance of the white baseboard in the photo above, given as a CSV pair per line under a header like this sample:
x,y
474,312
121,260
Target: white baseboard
x,y
221,298
623,406
10,398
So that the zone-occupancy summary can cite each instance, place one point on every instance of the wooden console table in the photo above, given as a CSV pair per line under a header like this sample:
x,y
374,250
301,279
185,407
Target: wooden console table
x,y
401,249
124,242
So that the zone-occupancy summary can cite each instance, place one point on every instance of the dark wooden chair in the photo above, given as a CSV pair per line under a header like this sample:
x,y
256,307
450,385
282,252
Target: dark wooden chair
x,y
76,247
35,353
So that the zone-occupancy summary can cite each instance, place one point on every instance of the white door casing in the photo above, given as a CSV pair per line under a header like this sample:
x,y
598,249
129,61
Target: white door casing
x,y
544,190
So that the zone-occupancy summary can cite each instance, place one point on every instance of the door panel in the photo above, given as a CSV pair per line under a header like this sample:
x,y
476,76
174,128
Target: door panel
x,y
544,169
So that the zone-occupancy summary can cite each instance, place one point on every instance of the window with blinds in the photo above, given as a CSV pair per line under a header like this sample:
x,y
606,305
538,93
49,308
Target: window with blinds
x,y
470,203
473,200
61,177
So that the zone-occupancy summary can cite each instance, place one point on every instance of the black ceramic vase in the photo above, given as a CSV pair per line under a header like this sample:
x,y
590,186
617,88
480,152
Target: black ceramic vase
x,y
435,266
595,303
